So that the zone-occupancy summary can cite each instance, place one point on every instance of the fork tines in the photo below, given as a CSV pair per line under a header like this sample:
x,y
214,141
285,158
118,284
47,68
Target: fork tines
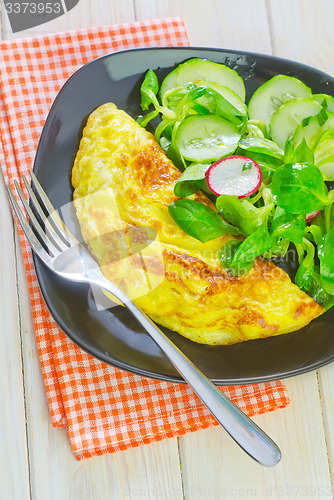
x,y
48,235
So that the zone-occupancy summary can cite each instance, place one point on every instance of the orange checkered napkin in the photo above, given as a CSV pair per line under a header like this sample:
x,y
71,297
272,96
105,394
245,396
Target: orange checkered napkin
x,y
104,409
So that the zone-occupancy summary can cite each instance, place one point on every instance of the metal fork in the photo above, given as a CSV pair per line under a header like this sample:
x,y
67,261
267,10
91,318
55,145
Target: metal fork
x,y
63,254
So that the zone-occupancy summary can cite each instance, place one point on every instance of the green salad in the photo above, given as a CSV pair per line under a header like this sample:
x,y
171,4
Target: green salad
x,y
267,165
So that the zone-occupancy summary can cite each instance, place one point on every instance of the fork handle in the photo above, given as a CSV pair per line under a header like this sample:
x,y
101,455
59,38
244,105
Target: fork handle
x,y
239,426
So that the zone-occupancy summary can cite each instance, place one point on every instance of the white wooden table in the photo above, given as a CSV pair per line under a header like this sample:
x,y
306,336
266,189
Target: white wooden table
x,y
35,459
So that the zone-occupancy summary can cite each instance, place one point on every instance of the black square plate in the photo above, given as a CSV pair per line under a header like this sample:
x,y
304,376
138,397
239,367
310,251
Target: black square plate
x,y
113,335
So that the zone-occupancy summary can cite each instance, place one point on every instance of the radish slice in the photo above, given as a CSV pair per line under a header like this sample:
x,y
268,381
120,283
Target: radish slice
x,y
234,175
312,215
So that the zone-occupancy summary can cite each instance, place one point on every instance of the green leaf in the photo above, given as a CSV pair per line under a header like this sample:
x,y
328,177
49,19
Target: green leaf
x,y
328,211
174,154
265,152
191,179
305,271
256,128
226,255
163,126
303,276
262,146
253,246
199,221
299,188
188,101
316,230
287,226
326,257
300,154
172,97
149,90
268,164
227,252
317,291
143,120
242,213
199,109
303,153
289,153
218,105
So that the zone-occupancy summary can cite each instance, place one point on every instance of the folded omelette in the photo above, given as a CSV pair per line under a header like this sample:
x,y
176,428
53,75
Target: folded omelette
x,y
123,180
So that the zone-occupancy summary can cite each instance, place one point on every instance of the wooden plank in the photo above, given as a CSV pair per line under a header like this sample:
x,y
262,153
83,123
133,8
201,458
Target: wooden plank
x,y
326,377
213,466
306,33
150,472
14,470
229,24
112,12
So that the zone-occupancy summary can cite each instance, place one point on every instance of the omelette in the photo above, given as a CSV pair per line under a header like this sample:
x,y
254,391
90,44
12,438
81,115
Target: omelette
x,y
123,184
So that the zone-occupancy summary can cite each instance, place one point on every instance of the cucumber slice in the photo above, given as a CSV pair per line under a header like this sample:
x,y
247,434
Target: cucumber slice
x,y
328,99
312,131
287,118
206,138
196,70
271,95
324,155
